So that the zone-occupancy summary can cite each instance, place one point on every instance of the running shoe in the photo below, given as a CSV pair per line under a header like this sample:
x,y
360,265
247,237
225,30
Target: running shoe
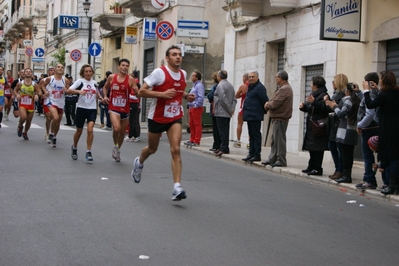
x,y
237,144
137,169
74,153
127,139
178,194
19,131
89,157
137,139
116,154
6,117
25,136
53,143
50,138
45,137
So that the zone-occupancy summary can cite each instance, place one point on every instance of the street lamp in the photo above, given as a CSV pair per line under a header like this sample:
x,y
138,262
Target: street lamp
x,y
86,8
35,31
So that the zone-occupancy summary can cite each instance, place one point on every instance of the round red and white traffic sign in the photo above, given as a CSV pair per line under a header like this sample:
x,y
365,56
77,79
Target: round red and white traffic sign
x,y
76,55
29,51
164,30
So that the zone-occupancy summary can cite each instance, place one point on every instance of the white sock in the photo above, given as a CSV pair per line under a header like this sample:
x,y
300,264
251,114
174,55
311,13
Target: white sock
x,y
176,185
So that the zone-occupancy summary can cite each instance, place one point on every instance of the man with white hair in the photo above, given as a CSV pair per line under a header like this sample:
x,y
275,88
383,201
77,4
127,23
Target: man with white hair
x,y
253,113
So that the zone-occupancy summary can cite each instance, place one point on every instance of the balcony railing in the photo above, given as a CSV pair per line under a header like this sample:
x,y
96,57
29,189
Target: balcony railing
x,y
23,15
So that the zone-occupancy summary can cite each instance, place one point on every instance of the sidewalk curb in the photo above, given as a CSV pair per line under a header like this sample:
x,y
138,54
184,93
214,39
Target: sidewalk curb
x,y
293,172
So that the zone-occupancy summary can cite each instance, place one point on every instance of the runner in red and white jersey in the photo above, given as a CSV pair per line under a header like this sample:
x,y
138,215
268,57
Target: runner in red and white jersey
x,y
168,85
119,85
50,72
54,88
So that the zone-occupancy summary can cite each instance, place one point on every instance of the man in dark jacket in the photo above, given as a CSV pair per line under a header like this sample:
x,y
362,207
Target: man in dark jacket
x,y
253,113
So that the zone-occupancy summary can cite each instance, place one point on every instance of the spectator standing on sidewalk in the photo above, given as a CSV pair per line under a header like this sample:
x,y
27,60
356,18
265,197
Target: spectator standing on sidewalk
x,y
339,85
225,104
70,105
280,111
253,114
134,117
241,93
317,110
346,139
367,127
102,105
215,132
196,109
388,142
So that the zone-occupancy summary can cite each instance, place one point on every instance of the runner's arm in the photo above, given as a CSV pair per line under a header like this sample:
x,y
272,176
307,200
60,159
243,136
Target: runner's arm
x,y
147,93
16,91
43,84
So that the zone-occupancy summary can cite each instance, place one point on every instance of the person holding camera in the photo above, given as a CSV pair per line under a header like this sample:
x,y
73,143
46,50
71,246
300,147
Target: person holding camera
x,y
346,137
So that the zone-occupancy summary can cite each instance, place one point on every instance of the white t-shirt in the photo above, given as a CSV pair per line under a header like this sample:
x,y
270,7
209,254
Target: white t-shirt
x,y
89,100
56,89
157,77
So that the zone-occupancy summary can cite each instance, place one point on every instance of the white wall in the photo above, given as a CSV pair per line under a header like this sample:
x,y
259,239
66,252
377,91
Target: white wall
x,y
303,48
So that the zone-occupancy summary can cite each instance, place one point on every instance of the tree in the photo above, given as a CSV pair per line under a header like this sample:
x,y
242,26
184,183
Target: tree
x,y
59,56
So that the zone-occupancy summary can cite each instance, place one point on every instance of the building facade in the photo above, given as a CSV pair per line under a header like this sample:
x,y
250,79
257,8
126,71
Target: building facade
x,y
34,37
203,46
271,35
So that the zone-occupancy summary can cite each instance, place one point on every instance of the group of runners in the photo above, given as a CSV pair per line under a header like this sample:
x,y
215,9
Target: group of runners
x,y
165,84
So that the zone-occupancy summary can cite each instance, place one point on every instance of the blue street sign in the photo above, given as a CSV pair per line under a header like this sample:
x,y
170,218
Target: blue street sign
x,y
37,60
193,24
149,29
94,49
39,52
68,22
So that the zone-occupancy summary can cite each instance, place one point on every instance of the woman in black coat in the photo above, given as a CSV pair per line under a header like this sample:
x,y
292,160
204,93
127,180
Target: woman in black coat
x,y
388,137
317,110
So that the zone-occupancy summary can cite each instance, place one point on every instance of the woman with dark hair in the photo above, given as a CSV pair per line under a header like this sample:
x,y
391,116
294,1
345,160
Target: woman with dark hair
x,y
317,110
388,136
346,138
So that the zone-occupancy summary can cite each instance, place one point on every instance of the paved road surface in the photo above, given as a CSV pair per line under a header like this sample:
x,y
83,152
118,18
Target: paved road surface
x,y
56,211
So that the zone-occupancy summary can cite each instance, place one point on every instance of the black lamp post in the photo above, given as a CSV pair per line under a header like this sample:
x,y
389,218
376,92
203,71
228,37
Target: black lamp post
x,y
86,8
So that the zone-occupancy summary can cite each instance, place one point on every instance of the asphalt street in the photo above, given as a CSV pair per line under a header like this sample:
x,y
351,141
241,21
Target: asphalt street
x,y
57,211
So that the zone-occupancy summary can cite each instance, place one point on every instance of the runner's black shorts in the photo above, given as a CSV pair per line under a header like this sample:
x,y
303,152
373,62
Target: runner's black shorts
x,y
83,114
155,127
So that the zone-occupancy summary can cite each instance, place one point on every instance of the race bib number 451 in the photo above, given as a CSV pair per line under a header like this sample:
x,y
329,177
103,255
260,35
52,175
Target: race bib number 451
x,y
172,109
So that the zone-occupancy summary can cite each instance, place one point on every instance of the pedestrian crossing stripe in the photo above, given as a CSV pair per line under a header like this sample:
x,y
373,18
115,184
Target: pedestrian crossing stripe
x,y
68,128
